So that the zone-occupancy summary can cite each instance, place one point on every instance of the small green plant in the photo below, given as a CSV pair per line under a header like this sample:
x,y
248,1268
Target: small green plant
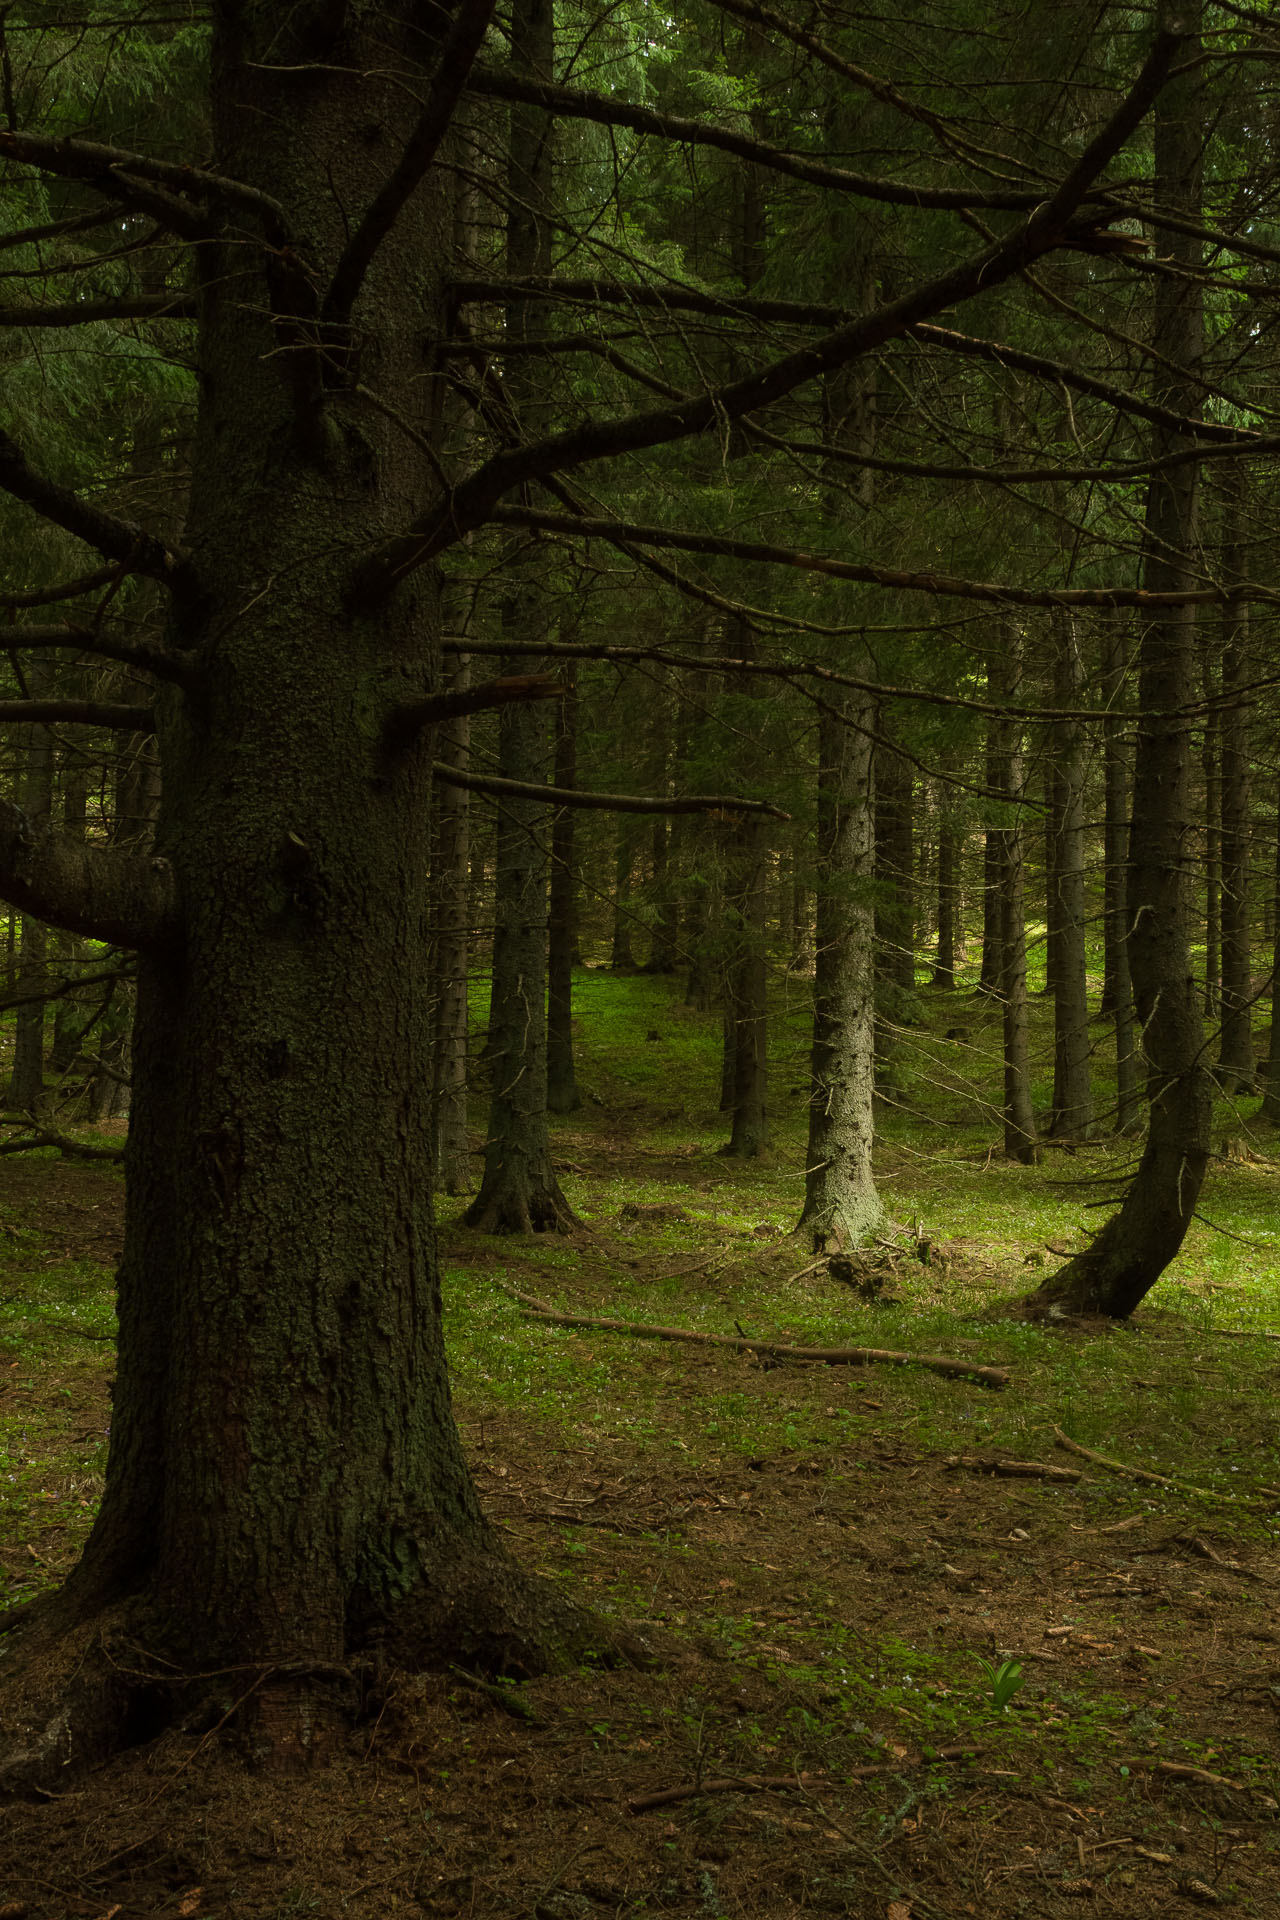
x,y
1005,1680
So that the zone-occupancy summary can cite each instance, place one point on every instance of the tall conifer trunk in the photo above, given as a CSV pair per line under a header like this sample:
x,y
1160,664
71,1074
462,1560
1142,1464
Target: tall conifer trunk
x,y
1132,1250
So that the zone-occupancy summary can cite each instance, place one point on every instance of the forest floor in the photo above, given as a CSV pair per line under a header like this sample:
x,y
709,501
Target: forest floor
x,y
898,1680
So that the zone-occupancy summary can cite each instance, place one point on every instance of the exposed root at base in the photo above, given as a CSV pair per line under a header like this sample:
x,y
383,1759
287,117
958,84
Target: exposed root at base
x,y
70,1697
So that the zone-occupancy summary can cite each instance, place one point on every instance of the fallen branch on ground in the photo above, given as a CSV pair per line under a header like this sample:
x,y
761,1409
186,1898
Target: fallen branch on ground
x,y
797,1782
829,1356
1013,1469
42,1137
1147,1478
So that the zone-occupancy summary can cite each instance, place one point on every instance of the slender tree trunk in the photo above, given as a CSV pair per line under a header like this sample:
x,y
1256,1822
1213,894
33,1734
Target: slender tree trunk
x,y
1135,1246
451,957
562,1081
748,983
621,957
1004,680
841,1205
26,1081
992,910
519,1192
1072,1097
1118,987
1271,1093
664,951
1211,765
944,965
895,908
1237,1066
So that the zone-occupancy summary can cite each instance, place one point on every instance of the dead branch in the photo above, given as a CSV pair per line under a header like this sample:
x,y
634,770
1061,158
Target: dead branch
x,y
1013,1469
407,721
796,1782
39,1136
828,1356
607,802
1140,1473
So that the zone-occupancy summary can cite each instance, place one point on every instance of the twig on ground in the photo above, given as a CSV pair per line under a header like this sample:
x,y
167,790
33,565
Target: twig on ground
x,y
829,1356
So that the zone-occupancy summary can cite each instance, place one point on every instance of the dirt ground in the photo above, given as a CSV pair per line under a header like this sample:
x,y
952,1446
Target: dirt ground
x,y
820,1735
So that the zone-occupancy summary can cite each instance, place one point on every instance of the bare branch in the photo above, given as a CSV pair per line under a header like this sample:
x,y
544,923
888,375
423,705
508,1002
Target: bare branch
x,y
569,103
115,171
41,1137
622,532
59,989
122,898
138,552
78,313
798,313
1064,375
468,505
119,715
602,802
69,590
56,229
165,666
457,57
406,722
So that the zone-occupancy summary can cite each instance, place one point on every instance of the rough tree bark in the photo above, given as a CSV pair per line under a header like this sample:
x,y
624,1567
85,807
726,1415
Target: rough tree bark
x,y
278,1220
841,1206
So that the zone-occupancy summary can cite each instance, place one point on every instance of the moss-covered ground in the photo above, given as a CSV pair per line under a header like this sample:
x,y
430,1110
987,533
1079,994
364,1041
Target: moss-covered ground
x,y
894,1677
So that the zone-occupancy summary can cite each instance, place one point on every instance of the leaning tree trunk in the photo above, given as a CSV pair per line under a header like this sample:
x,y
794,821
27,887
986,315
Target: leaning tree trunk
x,y
1135,1246
841,1205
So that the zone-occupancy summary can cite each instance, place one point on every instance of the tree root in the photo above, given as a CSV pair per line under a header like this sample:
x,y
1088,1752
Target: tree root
x,y
73,1695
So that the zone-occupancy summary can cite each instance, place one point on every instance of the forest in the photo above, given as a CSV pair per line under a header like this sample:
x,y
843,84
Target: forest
x,y
640,861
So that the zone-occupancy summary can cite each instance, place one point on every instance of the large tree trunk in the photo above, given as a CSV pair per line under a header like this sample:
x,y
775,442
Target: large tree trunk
x,y
841,1206
278,1233
1137,1243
